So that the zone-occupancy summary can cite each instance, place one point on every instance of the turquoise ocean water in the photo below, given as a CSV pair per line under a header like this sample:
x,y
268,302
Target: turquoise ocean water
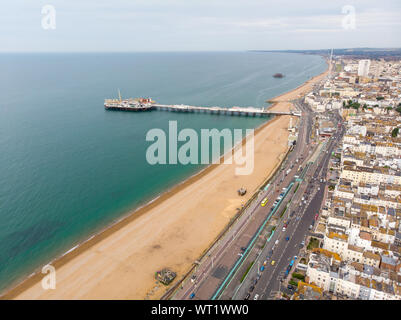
x,y
68,168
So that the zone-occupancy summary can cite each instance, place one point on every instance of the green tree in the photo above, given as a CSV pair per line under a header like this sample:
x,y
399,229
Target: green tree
x,y
394,133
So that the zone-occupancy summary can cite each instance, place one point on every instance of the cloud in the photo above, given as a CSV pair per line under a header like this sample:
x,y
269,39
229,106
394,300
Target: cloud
x,y
152,25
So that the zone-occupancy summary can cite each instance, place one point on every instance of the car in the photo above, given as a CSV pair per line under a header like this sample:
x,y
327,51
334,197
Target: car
x,y
251,288
240,254
295,257
247,296
284,229
286,225
265,262
192,295
243,248
276,242
256,297
273,262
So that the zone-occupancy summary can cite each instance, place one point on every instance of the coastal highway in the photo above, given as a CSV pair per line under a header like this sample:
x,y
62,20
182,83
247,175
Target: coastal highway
x,y
265,285
222,260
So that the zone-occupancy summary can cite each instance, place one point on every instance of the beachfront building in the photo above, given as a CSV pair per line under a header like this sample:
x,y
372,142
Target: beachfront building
x,y
362,211
363,67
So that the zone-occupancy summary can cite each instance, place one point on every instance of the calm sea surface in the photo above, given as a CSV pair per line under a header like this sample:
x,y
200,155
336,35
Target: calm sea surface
x,y
68,168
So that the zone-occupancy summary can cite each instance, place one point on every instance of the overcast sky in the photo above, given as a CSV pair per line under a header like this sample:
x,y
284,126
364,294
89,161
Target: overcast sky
x,y
197,25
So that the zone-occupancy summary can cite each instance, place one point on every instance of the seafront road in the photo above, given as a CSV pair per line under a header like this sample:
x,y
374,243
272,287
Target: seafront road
x,y
218,263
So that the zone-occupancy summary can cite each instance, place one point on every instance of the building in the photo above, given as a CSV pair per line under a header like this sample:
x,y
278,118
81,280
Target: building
x,y
363,68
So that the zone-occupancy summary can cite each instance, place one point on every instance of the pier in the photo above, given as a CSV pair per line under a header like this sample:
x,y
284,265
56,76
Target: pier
x,y
233,111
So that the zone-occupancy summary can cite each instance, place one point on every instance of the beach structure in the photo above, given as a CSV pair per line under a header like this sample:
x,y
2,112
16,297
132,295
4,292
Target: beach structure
x,y
146,104
165,276
241,191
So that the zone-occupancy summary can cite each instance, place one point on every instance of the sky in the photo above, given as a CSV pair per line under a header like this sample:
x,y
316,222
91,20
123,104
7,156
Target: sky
x,y
197,25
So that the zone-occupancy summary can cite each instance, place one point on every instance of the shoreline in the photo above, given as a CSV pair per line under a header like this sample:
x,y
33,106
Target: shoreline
x,y
139,212
305,85
130,216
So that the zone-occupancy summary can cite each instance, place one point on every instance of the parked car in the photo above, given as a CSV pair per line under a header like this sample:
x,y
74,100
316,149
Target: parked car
x,y
256,297
288,238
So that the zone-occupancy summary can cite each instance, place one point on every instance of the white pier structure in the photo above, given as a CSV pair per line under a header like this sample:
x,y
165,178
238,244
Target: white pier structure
x,y
234,111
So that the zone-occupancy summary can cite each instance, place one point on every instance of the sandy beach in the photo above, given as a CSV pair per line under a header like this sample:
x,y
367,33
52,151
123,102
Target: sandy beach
x,y
172,232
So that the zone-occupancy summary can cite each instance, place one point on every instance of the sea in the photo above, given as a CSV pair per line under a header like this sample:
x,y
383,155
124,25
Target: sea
x,y
69,168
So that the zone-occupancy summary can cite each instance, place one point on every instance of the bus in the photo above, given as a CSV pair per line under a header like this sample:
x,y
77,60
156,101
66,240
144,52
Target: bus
x,y
265,200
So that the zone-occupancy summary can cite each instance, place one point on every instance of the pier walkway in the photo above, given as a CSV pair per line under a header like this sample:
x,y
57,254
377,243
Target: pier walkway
x,y
234,111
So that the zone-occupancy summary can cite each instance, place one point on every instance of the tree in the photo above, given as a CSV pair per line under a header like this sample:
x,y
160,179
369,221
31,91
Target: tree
x,y
394,133
379,98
